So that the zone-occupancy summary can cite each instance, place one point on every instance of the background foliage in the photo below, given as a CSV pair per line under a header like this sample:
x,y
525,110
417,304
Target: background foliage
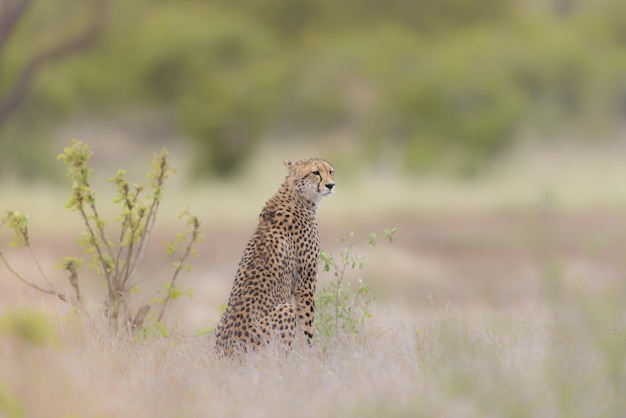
x,y
436,80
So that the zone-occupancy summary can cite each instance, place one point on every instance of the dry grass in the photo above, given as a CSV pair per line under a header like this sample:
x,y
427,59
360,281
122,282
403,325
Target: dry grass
x,y
567,359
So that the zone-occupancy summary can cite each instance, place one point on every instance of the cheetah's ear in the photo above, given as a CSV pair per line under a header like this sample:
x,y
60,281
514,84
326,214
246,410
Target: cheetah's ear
x,y
288,164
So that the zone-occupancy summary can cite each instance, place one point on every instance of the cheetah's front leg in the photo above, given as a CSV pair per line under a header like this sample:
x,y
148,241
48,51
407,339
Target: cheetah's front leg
x,y
304,296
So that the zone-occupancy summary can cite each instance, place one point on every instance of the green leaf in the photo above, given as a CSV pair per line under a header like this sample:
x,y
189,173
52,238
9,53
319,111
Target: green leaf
x,y
66,262
372,240
169,248
157,301
204,331
18,222
162,329
175,292
388,233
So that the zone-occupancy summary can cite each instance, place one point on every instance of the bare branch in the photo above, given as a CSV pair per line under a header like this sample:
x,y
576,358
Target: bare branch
x,y
101,259
32,254
102,234
31,284
9,17
195,234
125,279
126,224
151,218
77,44
145,238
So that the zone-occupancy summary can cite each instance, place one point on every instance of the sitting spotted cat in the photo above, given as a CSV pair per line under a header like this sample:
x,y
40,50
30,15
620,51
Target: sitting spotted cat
x,y
274,289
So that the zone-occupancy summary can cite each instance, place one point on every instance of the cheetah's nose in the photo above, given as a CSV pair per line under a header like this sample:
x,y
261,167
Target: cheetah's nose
x,y
330,186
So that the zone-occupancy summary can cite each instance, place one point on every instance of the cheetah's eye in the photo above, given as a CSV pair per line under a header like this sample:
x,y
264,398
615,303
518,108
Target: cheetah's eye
x,y
332,172
315,172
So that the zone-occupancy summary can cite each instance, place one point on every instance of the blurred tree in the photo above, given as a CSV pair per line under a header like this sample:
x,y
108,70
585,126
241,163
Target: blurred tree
x,y
429,79
35,37
11,13
218,71
294,18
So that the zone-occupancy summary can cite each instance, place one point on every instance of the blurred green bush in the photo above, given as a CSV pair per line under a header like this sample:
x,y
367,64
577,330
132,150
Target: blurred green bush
x,y
437,80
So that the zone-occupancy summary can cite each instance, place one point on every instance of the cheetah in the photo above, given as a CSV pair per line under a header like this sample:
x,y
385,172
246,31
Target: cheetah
x,y
274,288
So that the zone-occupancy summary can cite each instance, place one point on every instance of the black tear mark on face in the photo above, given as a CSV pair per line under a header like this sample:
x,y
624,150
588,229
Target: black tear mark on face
x,y
317,173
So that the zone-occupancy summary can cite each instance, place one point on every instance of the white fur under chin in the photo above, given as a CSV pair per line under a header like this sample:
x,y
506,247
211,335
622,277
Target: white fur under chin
x,y
316,197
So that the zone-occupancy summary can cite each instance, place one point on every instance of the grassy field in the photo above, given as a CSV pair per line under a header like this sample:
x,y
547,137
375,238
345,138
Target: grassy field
x,y
502,296
567,361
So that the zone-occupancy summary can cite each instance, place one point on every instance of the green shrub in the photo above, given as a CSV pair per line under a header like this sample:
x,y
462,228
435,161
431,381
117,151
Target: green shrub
x,y
116,262
340,308
218,71
28,326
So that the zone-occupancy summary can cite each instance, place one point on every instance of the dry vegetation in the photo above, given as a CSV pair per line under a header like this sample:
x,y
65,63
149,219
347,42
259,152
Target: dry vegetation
x,y
564,362
513,310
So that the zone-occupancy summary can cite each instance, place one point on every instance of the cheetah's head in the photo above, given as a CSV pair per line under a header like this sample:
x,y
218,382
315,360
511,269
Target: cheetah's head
x,y
313,178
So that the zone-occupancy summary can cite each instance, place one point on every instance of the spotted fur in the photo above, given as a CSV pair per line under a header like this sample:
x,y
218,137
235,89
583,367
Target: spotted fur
x,y
274,288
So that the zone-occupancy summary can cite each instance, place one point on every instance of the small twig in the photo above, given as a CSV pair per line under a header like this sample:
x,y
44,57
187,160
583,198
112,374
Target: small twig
x,y
128,269
192,240
339,272
126,226
83,214
151,273
32,254
103,236
151,217
145,237
120,247
29,283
